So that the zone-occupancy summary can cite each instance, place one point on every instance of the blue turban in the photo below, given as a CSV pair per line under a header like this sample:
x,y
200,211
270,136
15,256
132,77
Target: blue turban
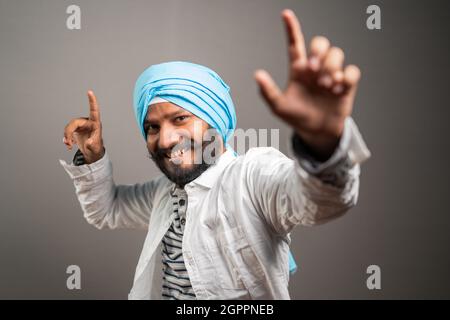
x,y
193,87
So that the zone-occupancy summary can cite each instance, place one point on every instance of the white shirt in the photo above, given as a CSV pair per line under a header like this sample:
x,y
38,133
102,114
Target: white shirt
x,y
238,219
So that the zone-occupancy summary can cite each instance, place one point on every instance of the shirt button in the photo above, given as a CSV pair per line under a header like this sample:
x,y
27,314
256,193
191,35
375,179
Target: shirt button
x,y
182,202
183,221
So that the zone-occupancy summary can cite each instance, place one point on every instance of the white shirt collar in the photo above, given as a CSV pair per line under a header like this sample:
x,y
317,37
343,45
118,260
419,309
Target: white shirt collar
x,y
209,177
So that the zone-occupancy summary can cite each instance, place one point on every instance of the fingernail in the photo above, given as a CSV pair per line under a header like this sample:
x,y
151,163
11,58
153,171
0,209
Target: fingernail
x,y
326,81
314,63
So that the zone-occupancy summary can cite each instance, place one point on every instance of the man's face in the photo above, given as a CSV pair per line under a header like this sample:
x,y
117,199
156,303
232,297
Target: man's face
x,y
179,142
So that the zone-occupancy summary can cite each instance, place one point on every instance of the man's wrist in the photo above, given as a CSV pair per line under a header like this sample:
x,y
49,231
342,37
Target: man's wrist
x,y
320,148
95,157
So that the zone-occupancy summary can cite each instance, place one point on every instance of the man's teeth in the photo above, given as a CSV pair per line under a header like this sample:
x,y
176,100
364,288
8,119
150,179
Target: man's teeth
x,y
176,154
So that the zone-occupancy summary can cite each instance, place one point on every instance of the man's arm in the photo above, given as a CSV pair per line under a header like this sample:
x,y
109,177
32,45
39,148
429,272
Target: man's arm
x,y
322,182
105,204
304,191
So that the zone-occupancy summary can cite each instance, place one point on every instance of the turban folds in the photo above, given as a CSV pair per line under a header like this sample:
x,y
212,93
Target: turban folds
x,y
193,87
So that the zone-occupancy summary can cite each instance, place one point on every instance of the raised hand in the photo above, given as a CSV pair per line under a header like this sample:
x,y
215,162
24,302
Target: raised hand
x,y
320,91
86,133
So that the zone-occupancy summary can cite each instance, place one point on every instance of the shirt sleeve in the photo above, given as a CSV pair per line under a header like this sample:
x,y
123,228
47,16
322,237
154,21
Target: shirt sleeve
x,y
296,190
105,204
332,171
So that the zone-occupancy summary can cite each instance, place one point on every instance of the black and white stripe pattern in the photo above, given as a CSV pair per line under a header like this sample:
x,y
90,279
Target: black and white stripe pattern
x,y
176,283
78,158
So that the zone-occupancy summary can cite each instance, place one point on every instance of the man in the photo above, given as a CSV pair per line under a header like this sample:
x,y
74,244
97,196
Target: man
x,y
219,224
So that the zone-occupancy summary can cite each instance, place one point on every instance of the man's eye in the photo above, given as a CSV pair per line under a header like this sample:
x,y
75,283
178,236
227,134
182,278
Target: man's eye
x,y
150,128
181,118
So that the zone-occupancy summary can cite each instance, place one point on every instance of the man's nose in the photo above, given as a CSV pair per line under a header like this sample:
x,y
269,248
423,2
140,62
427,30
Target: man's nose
x,y
169,137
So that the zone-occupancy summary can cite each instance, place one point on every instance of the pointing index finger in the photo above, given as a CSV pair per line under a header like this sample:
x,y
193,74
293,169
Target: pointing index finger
x,y
297,48
94,112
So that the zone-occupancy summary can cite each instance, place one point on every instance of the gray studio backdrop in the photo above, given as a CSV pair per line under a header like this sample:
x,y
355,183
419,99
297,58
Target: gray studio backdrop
x,y
402,219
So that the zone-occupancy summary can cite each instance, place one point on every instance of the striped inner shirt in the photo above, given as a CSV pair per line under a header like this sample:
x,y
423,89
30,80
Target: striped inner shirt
x,y
176,283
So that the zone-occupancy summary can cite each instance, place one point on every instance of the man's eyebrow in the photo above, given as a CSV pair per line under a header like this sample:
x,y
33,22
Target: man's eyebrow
x,y
176,113
171,115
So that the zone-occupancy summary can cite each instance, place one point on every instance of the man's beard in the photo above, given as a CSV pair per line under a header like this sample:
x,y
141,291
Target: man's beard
x,y
177,174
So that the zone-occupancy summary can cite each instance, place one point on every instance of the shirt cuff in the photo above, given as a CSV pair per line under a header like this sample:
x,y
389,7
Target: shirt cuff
x,y
351,150
76,171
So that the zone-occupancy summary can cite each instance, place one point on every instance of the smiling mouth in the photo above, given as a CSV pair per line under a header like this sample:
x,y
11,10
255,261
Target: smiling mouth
x,y
175,156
